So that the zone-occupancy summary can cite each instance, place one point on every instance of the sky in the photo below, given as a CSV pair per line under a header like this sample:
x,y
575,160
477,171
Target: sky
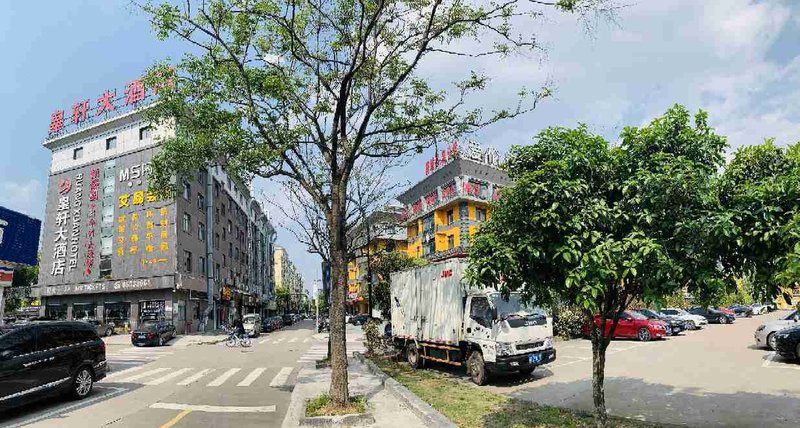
x,y
736,59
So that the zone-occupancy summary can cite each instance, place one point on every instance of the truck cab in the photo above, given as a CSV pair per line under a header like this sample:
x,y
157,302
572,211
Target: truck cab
x,y
509,335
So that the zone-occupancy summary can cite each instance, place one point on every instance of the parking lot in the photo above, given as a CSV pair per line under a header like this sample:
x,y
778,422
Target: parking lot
x,y
711,377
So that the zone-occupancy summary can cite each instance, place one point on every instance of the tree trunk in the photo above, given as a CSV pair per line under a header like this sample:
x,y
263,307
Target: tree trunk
x,y
336,227
598,377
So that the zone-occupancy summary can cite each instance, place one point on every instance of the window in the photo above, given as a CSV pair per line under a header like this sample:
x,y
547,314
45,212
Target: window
x,y
144,133
201,176
187,261
187,223
216,241
216,188
480,311
201,263
216,272
187,191
108,215
201,202
201,231
451,241
19,342
77,153
111,143
224,260
224,234
236,254
450,217
105,245
223,210
230,249
480,214
230,226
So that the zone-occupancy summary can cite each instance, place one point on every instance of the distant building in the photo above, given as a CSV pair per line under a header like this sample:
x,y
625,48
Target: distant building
x,y
114,251
288,279
381,231
444,210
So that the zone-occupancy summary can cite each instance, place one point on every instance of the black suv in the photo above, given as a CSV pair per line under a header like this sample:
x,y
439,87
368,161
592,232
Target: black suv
x,y
44,358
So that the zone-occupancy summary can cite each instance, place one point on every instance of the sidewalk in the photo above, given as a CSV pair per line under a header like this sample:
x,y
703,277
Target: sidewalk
x,y
180,340
387,410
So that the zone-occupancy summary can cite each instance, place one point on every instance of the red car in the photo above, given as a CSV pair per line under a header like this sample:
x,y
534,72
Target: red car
x,y
632,325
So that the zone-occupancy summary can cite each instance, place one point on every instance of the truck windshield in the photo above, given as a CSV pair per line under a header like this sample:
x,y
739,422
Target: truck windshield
x,y
513,306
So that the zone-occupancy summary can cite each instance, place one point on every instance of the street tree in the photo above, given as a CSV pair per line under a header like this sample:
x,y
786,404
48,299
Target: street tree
x,y
760,193
308,90
384,263
600,226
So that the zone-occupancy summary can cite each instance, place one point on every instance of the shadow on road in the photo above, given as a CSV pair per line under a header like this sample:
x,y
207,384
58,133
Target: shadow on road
x,y
634,398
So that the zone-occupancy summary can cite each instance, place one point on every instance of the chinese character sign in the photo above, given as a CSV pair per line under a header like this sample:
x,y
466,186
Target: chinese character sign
x,y
61,223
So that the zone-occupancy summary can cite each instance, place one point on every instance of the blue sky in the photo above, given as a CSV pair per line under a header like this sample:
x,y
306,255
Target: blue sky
x,y
738,59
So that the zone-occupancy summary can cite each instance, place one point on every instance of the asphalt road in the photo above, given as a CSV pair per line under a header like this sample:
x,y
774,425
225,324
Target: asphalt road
x,y
711,377
200,385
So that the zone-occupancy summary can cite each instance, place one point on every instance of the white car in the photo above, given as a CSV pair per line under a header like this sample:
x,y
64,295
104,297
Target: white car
x,y
765,333
695,322
759,309
252,324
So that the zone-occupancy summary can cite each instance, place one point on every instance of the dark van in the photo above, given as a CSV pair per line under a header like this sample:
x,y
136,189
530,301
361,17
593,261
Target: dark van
x,y
46,358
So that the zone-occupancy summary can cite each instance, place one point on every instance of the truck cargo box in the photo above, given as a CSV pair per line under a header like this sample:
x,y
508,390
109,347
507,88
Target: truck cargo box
x,y
428,302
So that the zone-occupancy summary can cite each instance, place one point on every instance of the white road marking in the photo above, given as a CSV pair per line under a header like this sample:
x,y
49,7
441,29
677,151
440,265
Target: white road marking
x,y
213,409
167,377
123,372
145,374
223,377
263,341
63,410
294,339
279,340
195,377
251,377
281,378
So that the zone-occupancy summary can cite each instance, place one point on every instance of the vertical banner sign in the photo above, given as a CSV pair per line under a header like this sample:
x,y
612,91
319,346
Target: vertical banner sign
x,y
76,223
60,240
94,184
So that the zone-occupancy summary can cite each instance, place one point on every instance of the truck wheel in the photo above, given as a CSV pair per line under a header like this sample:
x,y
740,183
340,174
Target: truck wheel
x,y
477,369
413,357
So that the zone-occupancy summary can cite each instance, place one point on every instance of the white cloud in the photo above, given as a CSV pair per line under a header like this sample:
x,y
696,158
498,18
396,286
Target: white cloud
x,y
26,197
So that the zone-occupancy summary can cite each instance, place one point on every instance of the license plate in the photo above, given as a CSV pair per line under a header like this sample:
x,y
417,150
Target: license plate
x,y
142,336
535,358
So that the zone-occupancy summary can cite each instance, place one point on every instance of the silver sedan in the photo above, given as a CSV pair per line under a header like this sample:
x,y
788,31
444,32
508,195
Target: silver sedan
x,y
765,333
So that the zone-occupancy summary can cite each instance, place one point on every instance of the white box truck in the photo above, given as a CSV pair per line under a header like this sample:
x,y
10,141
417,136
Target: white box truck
x,y
438,316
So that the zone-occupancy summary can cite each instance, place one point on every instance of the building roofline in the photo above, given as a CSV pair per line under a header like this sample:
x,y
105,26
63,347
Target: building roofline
x,y
97,128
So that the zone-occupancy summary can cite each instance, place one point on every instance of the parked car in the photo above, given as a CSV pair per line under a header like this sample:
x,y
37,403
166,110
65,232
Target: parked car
x,y
771,306
252,324
632,325
741,310
359,319
103,329
693,322
673,325
724,311
787,343
277,322
759,308
267,325
152,332
712,315
288,319
765,333
42,359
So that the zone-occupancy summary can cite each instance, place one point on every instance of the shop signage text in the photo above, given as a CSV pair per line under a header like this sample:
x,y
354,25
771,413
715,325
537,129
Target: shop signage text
x,y
101,287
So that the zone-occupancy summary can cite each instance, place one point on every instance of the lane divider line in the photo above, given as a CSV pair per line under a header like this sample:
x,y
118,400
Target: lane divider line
x,y
213,409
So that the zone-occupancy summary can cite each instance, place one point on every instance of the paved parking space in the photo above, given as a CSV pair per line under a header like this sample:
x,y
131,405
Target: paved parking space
x,y
711,377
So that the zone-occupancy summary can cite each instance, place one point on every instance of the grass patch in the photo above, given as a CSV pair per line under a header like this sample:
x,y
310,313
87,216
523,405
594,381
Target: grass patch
x,y
323,406
470,407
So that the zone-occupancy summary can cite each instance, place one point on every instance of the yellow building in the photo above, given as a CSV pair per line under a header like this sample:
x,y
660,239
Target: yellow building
x,y
380,232
444,210
793,293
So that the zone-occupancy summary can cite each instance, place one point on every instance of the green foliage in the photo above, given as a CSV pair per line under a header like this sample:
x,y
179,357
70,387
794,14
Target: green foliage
x,y
597,226
760,191
568,322
383,265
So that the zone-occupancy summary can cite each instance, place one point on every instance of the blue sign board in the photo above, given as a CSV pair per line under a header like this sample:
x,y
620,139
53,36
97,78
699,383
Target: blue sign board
x,y
19,237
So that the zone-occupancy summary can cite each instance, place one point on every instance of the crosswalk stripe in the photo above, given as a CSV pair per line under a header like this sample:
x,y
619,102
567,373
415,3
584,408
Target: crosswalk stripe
x,y
223,377
123,372
195,377
281,378
163,379
145,374
251,377
294,339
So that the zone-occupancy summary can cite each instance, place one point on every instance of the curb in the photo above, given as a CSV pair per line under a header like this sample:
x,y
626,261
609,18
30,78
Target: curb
x,y
337,421
429,416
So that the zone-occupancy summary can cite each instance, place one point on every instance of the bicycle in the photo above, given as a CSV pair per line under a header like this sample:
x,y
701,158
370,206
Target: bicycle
x,y
235,340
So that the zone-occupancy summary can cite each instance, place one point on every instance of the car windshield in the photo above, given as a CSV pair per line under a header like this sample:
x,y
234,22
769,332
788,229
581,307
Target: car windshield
x,y
249,318
513,306
790,316
636,315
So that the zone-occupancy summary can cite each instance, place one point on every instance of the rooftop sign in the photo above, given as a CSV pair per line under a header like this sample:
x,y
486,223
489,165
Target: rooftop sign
x,y
473,152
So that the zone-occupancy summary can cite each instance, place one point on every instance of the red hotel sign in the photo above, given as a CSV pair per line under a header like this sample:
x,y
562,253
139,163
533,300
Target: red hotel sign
x,y
440,160
83,112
